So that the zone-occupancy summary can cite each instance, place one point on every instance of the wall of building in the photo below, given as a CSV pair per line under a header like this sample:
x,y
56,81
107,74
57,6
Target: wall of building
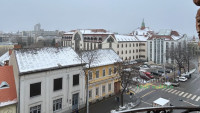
x,y
47,94
8,109
102,81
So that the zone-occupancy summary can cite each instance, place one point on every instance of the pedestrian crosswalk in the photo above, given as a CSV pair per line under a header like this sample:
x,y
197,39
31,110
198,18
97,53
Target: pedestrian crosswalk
x,y
182,94
137,90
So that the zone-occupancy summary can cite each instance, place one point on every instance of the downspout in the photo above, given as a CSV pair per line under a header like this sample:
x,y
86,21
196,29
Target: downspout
x,y
19,95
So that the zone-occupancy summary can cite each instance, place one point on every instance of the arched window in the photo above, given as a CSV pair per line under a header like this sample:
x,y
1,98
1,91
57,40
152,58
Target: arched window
x,y
110,40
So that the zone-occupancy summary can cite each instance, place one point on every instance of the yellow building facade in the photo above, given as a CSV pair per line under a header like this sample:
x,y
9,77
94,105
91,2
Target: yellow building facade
x,y
103,78
9,109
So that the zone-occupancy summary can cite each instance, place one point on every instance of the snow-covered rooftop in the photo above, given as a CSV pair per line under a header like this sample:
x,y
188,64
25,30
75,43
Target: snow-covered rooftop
x,y
165,32
141,32
4,57
125,38
8,103
101,57
45,58
161,101
90,31
142,38
175,37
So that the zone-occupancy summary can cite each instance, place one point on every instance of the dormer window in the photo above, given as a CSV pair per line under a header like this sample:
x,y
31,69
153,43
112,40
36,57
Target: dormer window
x,y
4,84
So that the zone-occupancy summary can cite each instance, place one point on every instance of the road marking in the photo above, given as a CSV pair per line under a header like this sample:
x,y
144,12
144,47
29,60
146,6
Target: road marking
x,y
163,89
189,95
177,93
167,89
190,103
147,93
146,103
181,93
185,94
193,97
174,91
170,90
197,98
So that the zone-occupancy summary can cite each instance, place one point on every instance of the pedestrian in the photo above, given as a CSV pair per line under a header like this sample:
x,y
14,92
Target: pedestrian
x,y
117,99
77,111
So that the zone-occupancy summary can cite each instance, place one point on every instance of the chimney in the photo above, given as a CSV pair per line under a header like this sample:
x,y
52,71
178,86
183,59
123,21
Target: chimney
x,y
6,63
56,45
10,51
17,46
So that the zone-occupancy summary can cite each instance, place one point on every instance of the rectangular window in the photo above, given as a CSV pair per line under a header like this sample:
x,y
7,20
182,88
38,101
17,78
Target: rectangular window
x,y
97,91
35,89
97,73
103,89
90,94
57,104
115,70
57,84
104,72
110,71
109,87
90,75
117,45
75,80
35,109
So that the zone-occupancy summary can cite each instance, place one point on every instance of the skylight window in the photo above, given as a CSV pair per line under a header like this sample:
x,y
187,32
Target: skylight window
x,y
4,85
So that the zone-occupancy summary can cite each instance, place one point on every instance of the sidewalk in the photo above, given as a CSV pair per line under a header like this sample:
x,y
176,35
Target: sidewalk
x,y
105,106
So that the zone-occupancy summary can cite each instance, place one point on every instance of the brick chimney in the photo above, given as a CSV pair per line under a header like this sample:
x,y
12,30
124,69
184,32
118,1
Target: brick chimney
x,y
56,45
10,51
17,46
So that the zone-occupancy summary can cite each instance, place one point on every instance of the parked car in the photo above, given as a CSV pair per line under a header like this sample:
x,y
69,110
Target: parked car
x,y
187,75
149,75
176,84
133,62
161,70
144,77
156,74
182,79
168,70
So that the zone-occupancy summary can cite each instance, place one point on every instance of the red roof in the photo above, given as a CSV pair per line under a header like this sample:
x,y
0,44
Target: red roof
x,y
8,94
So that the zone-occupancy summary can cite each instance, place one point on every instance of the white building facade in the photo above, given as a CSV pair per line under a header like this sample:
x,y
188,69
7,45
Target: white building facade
x,y
48,80
159,45
126,46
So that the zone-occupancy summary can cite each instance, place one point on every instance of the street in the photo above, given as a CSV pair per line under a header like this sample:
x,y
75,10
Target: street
x,y
187,94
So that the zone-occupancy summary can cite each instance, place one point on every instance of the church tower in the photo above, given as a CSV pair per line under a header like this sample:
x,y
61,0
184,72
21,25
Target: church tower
x,y
143,25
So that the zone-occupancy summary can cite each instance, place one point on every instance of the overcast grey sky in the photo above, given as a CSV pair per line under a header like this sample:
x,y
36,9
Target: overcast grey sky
x,y
121,16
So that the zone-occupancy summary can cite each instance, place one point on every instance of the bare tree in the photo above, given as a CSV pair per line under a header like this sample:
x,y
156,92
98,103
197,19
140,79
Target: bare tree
x,y
89,57
177,54
126,72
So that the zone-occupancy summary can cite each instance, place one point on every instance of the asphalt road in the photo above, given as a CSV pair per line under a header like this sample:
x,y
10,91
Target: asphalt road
x,y
187,94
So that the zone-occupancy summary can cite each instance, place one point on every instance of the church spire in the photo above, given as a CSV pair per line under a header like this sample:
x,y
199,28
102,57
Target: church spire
x,y
143,25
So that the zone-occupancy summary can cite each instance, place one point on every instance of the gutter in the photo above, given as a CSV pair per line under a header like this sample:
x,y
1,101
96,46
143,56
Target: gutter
x,y
50,69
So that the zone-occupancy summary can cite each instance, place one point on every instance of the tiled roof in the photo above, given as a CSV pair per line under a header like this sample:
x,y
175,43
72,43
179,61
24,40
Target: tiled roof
x,y
167,35
101,57
46,58
7,94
